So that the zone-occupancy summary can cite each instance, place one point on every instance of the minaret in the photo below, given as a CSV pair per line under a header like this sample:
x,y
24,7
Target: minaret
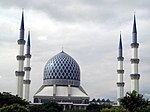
x,y
134,60
27,69
20,58
120,72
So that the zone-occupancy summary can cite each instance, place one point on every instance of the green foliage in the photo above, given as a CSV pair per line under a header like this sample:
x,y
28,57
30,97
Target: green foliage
x,y
114,110
46,107
8,99
14,108
147,109
75,111
105,106
134,102
53,106
97,108
37,108
93,108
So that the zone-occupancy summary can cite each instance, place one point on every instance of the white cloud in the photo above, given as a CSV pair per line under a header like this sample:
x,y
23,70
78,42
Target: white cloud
x,y
147,94
42,38
88,30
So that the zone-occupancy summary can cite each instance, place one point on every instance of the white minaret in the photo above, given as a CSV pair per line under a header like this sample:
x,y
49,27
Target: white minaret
x,y
120,72
135,76
20,58
27,69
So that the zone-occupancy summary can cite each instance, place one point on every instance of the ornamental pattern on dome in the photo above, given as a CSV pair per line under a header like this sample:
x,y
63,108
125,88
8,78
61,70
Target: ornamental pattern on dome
x,y
62,66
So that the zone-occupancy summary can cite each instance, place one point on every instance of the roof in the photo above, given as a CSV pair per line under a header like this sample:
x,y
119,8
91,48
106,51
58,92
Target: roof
x,y
61,91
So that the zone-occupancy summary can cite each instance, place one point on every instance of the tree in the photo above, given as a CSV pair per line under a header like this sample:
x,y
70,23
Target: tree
x,y
97,107
53,107
46,107
75,110
133,102
37,108
147,109
14,108
8,99
93,108
114,110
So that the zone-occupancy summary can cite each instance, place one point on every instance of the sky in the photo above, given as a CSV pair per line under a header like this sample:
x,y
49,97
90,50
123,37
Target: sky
x,y
88,30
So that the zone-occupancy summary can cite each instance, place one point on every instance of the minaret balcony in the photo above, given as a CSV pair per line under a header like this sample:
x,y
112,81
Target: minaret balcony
x,y
26,81
120,58
135,61
27,55
134,45
20,57
21,42
19,73
27,68
120,84
120,71
135,76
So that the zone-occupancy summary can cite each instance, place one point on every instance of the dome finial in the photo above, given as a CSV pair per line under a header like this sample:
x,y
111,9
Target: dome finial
x,y
62,49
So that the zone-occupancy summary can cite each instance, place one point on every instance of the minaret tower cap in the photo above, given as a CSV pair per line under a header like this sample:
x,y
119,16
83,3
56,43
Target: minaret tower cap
x,y
120,42
28,43
134,25
134,33
22,21
120,46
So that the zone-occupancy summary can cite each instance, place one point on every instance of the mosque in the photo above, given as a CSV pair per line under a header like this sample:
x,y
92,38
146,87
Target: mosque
x,y
61,82
61,78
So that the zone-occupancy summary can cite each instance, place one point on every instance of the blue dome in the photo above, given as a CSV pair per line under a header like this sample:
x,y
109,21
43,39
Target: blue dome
x,y
62,69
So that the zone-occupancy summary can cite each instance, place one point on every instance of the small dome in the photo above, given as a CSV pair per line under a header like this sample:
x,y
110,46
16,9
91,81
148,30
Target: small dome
x,y
62,69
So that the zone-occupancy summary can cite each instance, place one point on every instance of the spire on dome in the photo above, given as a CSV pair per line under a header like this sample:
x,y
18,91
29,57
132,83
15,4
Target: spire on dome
x,y
22,21
28,43
120,46
62,49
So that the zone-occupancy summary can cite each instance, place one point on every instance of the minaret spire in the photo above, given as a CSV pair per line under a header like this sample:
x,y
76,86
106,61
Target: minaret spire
x,y
22,21
135,76
120,72
120,47
20,58
134,31
27,69
22,26
28,43
134,25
